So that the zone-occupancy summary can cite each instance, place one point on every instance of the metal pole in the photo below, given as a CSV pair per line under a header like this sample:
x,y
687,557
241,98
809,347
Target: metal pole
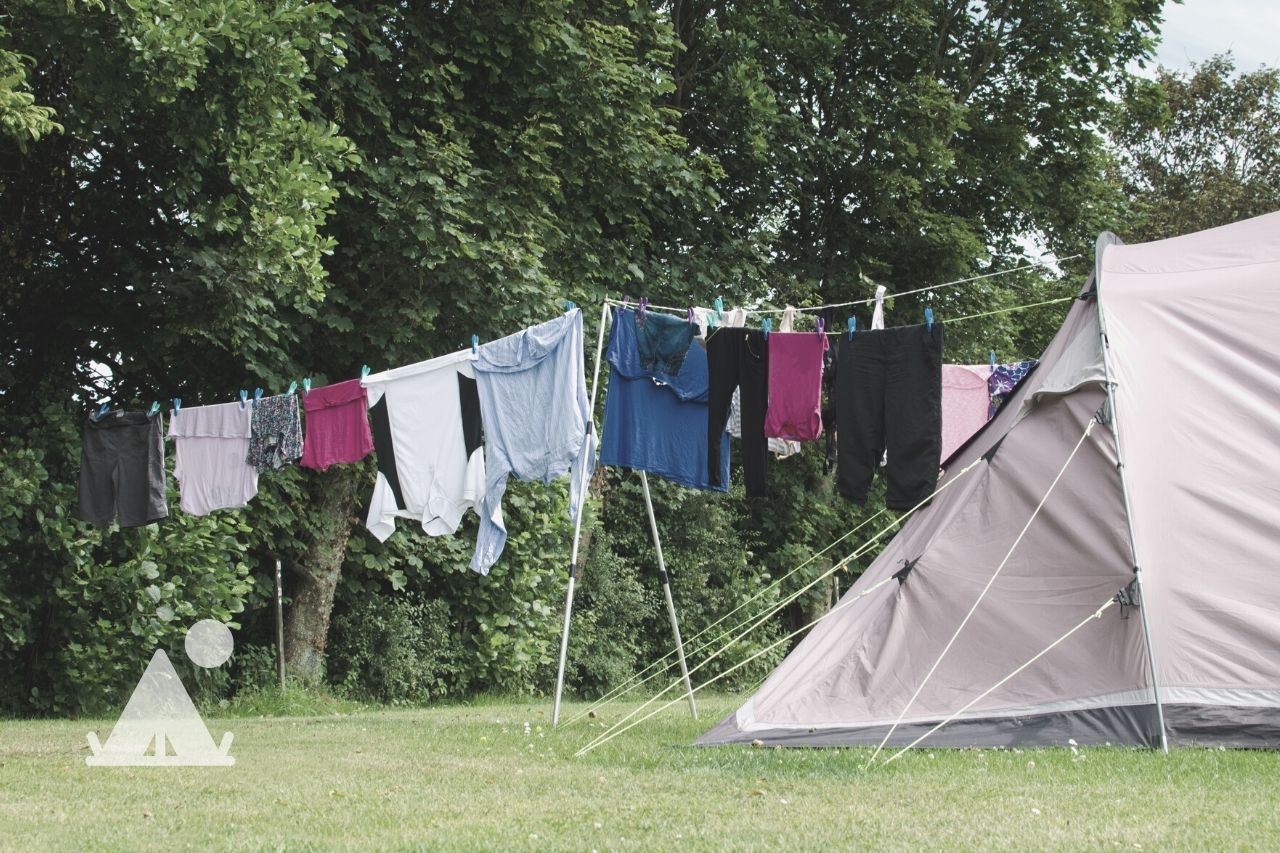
x,y
666,591
1105,239
279,626
577,525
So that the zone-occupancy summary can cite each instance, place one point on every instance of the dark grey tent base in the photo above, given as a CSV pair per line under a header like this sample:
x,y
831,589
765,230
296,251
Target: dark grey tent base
x,y
1129,725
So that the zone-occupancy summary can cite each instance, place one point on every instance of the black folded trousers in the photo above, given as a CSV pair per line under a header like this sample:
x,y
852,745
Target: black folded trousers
x,y
122,469
739,358
889,397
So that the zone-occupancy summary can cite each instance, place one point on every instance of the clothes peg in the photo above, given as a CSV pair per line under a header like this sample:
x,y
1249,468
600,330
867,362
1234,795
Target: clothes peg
x,y
643,305
364,371
257,394
767,325
719,305
155,407
306,385
293,388
711,320
569,305
102,410
692,320
993,361
928,318
822,326
626,300
853,326
177,405
475,344
244,397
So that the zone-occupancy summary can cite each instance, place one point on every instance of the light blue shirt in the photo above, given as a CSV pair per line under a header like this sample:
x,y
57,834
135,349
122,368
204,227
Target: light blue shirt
x,y
533,402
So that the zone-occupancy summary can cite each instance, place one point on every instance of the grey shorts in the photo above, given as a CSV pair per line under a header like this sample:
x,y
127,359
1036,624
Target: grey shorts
x,y
122,469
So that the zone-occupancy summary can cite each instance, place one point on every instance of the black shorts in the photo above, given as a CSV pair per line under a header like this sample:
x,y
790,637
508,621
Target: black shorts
x,y
122,469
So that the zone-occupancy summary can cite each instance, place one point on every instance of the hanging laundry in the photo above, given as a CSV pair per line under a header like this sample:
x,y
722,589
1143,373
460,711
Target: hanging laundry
x,y
739,358
122,469
889,398
275,437
662,341
427,434
658,427
211,444
337,429
779,447
533,396
1003,379
795,385
964,403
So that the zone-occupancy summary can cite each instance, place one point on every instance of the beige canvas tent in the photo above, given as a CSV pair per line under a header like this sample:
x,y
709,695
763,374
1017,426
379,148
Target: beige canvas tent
x,y
1168,513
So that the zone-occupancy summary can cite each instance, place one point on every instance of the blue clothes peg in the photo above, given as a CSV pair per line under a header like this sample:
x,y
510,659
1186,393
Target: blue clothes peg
x,y
364,371
767,325
257,394
155,407
711,320
177,405
475,344
102,410
244,397
293,388
993,361
928,318
719,305
853,326
569,305
306,385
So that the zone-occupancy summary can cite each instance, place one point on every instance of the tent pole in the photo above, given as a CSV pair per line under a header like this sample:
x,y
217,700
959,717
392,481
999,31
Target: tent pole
x,y
666,591
574,569
1105,239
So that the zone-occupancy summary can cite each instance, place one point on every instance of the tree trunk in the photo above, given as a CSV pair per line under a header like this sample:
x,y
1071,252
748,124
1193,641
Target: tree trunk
x,y
306,624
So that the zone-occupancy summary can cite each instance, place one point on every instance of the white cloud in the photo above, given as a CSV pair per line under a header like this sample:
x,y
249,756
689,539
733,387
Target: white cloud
x,y
1195,30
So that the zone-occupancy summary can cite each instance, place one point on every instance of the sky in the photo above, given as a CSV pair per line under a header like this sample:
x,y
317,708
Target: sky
x,y
1197,29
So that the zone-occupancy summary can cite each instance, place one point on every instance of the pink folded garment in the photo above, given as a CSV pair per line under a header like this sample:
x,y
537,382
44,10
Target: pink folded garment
x,y
964,403
795,385
337,427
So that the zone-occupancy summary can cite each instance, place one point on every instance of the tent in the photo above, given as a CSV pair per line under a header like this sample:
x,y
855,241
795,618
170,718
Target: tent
x,y
1141,605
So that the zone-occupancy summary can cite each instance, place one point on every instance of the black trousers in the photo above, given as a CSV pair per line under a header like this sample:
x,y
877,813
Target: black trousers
x,y
889,397
739,358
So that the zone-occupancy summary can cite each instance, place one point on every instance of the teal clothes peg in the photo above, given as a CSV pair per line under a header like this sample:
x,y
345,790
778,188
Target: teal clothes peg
x,y
719,305
177,405
306,385
364,371
293,388
569,305
767,325
257,394
928,318
475,344
102,410
993,361
244,397
155,407
852,326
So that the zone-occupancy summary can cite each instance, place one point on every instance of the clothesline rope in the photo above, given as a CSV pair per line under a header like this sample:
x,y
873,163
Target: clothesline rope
x,y
1097,614
930,288
983,594
766,616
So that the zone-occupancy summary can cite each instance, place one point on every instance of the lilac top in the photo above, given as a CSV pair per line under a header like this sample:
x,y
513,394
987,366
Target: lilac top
x,y
337,425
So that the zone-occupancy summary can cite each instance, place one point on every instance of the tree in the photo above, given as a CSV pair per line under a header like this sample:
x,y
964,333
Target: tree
x,y
1199,149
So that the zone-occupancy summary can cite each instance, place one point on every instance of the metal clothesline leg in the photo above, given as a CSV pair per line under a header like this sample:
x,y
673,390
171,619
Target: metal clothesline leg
x,y
577,528
666,591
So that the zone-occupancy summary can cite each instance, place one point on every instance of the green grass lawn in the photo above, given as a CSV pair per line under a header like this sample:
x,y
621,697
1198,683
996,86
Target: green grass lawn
x,y
497,776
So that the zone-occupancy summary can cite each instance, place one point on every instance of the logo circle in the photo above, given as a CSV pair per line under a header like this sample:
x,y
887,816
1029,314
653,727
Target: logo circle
x,y
209,643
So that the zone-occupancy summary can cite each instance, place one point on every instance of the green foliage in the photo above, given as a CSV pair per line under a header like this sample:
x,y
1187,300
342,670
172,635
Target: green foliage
x,y
394,649
1199,149
83,608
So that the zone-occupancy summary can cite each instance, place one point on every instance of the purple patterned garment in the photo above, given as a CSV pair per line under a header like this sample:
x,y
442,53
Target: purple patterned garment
x,y
1004,378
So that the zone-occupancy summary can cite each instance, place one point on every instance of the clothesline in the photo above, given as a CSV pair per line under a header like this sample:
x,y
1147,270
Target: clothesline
x,y
959,281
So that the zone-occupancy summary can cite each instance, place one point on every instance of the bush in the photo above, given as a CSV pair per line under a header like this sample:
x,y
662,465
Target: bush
x,y
397,649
